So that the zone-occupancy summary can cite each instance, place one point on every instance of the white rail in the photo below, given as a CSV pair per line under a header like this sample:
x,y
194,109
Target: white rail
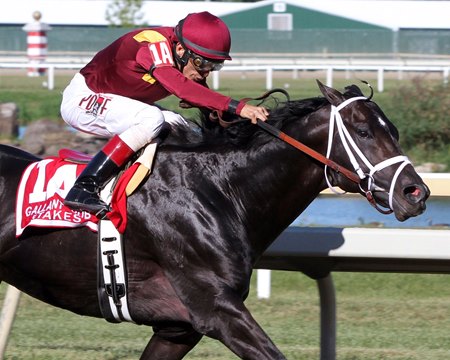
x,y
318,252
268,69
330,69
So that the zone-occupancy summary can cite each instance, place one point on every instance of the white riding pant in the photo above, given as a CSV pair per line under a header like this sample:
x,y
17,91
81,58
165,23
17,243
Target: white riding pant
x,y
105,114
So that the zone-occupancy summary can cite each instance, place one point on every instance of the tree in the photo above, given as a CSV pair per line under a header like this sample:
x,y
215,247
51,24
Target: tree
x,y
125,13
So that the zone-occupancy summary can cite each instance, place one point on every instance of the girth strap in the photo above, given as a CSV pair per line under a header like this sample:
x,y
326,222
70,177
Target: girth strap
x,y
111,273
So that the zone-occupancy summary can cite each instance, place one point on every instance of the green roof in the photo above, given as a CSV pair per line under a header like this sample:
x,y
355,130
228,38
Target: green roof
x,y
303,18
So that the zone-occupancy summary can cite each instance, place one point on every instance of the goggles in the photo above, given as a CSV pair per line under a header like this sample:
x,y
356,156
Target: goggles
x,y
204,65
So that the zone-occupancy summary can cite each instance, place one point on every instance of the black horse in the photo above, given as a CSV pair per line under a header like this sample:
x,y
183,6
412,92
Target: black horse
x,y
200,222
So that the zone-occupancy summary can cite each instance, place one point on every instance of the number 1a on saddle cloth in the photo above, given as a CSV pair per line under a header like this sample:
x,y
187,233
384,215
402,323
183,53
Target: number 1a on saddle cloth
x,y
41,192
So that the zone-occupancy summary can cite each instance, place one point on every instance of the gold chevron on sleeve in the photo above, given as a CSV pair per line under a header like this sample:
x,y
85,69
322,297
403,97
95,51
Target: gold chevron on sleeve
x,y
150,36
148,78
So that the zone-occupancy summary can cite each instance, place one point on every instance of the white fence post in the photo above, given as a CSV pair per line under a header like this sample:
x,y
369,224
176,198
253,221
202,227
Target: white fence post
x,y
269,74
330,76
263,284
445,75
51,77
215,80
380,80
9,309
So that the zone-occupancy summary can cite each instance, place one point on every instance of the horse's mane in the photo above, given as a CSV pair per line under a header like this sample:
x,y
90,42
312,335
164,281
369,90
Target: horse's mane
x,y
203,132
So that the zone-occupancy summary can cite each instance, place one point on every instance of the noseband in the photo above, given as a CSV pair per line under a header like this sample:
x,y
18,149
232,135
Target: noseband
x,y
349,145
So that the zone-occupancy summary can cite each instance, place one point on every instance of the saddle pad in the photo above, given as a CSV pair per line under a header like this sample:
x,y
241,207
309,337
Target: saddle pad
x,y
41,193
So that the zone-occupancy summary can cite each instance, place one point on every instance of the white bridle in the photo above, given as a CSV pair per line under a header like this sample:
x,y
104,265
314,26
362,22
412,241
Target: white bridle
x,y
349,144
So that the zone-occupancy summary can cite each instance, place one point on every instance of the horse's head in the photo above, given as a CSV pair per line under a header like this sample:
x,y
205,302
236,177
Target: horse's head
x,y
362,138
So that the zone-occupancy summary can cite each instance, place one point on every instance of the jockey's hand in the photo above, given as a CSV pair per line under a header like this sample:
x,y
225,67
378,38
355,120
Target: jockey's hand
x,y
254,112
185,105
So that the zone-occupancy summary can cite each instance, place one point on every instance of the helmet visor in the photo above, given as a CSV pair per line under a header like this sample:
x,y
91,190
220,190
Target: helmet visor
x,y
204,65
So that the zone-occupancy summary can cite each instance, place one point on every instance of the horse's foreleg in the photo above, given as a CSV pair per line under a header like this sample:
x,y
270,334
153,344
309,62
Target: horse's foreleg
x,y
170,343
230,322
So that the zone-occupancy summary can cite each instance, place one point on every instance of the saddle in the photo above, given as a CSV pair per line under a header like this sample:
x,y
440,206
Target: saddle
x,y
145,161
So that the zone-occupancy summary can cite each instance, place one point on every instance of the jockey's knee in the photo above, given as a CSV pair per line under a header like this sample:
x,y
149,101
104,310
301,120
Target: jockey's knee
x,y
147,125
152,118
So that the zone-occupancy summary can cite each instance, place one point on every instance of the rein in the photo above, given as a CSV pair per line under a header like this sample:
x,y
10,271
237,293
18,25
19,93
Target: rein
x,y
307,150
297,144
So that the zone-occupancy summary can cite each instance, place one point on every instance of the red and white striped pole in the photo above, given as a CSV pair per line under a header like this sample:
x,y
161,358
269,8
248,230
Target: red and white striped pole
x,y
36,44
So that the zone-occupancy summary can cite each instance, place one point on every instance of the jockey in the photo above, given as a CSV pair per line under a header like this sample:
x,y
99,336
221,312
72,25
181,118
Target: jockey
x,y
114,95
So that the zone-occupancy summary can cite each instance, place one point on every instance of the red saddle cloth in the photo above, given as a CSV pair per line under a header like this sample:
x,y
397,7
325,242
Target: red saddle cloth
x,y
43,187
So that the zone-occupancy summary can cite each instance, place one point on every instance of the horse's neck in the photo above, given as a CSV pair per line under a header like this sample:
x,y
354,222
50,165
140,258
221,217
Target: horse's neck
x,y
252,194
277,187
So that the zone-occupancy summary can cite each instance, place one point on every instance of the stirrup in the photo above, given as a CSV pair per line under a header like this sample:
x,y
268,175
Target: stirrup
x,y
99,210
80,199
101,214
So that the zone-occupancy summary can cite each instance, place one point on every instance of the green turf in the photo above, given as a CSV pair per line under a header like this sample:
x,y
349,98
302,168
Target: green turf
x,y
380,316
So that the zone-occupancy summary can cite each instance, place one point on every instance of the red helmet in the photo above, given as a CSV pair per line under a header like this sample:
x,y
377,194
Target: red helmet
x,y
205,35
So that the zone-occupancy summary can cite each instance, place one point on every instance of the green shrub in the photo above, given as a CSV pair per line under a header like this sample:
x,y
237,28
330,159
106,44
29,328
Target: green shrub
x,y
421,111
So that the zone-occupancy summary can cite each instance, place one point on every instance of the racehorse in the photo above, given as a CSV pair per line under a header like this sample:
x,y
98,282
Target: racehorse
x,y
216,200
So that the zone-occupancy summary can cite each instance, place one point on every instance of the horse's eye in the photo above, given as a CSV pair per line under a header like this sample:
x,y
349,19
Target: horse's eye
x,y
362,133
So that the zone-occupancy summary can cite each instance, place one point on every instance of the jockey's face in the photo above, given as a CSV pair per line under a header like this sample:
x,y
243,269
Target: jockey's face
x,y
190,70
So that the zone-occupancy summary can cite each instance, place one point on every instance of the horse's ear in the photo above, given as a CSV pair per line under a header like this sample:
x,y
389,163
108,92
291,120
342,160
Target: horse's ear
x,y
333,96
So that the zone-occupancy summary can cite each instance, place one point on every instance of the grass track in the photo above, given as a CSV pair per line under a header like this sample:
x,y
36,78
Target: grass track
x,y
380,316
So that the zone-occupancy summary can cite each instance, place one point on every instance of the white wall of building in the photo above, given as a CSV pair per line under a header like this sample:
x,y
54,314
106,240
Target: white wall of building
x,y
393,14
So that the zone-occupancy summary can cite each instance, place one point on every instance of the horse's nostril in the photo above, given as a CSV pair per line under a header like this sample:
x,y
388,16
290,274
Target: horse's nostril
x,y
415,193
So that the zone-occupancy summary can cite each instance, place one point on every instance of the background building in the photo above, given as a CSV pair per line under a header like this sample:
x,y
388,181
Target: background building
x,y
268,28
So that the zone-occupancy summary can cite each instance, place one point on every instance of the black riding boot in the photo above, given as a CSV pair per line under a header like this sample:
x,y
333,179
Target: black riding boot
x,y
85,193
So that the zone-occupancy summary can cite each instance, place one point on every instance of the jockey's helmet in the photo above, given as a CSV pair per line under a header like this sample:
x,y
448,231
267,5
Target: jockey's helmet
x,y
207,36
